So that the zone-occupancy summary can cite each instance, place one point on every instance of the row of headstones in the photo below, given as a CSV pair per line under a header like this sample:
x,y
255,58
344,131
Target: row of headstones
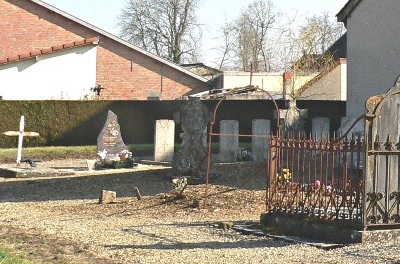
x,y
164,139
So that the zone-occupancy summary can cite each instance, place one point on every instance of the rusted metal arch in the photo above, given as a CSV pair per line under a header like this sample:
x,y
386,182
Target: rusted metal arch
x,y
211,134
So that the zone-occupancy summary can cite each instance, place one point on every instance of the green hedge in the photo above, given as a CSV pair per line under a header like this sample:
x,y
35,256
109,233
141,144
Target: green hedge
x,y
52,119
78,123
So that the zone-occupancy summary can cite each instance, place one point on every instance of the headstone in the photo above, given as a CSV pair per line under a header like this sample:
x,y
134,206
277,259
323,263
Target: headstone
x,y
164,140
320,128
228,145
112,151
107,197
259,145
110,139
194,118
294,118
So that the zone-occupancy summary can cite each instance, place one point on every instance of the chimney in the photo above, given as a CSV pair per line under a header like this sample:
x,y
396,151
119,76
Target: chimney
x,y
287,82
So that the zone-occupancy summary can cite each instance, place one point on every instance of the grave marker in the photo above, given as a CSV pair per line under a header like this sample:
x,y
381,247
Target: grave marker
x,y
164,140
259,145
228,140
112,151
20,134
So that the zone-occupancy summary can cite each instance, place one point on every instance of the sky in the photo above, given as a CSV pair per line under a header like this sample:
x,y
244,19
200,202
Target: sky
x,y
211,13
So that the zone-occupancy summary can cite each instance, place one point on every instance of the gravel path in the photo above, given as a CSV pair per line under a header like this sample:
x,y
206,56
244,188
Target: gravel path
x,y
158,230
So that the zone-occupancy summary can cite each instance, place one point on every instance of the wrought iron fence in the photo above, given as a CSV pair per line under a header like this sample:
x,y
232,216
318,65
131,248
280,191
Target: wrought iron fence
x,y
382,170
311,177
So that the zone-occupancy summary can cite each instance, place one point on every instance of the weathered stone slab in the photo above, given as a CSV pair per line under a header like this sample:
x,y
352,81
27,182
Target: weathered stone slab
x,y
321,127
259,145
110,138
107,197
31,173
228,145
164,140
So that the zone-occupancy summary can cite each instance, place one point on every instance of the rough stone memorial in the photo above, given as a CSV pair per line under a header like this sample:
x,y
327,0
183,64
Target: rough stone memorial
x,y
112,151
194,118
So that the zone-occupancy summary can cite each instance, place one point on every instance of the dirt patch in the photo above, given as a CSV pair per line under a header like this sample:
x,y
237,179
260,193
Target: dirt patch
x,y
36,246
235,189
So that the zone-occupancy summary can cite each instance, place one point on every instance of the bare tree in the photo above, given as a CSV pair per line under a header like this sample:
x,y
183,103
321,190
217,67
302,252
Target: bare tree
x,y
167,28
303,50
318,34
247,37
228,40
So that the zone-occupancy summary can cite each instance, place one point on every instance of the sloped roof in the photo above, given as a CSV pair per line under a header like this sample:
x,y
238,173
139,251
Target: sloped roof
x,y
321,75
346,11
34,53
115,38
202,70
339,48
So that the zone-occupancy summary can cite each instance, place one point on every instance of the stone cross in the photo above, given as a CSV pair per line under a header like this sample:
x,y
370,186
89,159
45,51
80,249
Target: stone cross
x,y
20,134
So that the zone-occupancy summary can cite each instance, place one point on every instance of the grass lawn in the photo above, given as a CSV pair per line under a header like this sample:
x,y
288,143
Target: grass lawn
x,y
9,155
8,258
63,152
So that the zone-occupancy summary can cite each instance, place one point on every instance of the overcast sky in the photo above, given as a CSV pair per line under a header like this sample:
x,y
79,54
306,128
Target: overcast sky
x,y
212,13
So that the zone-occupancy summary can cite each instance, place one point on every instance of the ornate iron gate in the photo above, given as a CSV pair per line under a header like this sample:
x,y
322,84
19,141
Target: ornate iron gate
x,y
354,181
316,178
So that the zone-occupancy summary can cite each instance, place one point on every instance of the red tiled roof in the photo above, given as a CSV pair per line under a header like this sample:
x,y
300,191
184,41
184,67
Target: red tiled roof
x,y
34,53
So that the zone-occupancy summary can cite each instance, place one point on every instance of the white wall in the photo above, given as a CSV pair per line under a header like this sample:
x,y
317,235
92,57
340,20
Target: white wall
x,y
373,55
269,81
331,86
62,75
266,81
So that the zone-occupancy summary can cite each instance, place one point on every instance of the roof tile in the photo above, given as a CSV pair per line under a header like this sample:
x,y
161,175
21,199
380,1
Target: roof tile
x,y
68,45
13,58
91,40
24,56
34,53
47,50
79,42
58,47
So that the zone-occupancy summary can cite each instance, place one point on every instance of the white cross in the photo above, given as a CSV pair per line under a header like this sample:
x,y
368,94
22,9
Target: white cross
x,y
21,133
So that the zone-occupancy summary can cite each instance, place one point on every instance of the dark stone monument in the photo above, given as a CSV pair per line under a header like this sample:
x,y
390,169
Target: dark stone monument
x,y
194,118
110,138
111,148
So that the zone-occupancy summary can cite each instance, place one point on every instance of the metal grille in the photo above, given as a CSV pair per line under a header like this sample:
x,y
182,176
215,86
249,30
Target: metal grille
x,y
382,170
319,178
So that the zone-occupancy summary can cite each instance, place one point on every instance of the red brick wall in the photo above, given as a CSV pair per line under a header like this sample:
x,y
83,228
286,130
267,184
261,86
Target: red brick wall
x,y
124,73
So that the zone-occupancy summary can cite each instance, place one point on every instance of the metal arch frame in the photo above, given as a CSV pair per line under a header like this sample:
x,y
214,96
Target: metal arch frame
x,y
211,134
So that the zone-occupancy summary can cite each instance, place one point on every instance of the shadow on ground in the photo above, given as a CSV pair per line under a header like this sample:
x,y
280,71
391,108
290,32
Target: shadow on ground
x,y
85,187
160,242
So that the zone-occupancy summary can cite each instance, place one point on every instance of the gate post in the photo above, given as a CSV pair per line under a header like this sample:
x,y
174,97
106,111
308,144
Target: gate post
x,y
272,168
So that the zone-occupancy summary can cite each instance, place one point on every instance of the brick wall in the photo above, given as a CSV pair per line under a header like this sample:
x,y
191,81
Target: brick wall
x,y
124,73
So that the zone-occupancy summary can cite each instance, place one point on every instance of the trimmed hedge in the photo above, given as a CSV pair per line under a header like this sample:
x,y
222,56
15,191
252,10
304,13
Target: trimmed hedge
x,y
52,119
78,123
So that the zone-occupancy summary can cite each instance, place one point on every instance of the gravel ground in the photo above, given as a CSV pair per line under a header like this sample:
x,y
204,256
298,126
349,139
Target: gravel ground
x,y
161,228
